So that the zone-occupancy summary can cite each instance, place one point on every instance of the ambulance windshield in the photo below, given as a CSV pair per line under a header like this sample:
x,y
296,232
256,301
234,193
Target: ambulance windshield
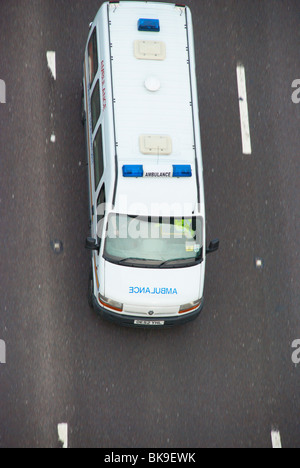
x,y
154,242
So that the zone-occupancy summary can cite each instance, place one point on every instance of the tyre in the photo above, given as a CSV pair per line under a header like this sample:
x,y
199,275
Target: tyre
x,y
82,112
90,289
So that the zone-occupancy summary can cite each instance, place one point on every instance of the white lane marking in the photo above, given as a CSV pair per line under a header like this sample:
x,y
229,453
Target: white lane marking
x,y
53,138
63,434
51,60
244,115
276,439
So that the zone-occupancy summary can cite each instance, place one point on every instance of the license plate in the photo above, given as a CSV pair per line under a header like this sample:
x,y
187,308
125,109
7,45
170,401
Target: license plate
x,y
149,322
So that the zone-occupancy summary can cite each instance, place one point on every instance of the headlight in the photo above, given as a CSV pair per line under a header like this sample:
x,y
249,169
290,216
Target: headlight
x,y
190,306
110,304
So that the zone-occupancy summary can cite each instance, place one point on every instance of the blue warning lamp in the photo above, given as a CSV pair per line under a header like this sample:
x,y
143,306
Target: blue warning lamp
x,y
150,25
182,171
134,170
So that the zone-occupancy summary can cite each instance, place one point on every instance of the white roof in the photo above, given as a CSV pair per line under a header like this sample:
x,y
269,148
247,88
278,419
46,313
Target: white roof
x,y
164,112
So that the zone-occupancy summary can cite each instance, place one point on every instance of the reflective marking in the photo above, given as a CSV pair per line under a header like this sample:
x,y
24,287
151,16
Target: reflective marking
x,y
56,246
259,263
244,115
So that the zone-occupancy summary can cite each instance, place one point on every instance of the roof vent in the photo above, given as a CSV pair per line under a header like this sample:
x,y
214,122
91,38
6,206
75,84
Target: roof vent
x,y
152,84
155,144
150,50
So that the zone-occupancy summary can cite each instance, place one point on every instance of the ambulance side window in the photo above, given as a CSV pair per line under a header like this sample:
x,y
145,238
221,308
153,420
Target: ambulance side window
x,y
98,157
93,56
100,212
95,102
101,204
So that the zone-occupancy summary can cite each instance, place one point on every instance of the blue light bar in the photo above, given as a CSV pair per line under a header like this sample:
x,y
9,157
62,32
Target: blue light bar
x,y
182,171
151,25
133,171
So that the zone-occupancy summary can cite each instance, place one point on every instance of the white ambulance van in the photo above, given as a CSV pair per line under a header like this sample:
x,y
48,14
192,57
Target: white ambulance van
x,y
146,195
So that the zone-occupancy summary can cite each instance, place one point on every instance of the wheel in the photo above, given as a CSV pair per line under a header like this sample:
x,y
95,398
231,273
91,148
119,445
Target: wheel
x,y
82,113
90,289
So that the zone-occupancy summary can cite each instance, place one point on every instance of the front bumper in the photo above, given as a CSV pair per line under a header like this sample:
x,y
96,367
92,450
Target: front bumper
x,y
128,320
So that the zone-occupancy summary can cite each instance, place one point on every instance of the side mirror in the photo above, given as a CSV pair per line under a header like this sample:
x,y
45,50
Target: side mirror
x,y
91,244
213,246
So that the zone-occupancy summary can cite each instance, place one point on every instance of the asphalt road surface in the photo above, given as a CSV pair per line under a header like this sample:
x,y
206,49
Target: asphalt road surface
x,y
225,380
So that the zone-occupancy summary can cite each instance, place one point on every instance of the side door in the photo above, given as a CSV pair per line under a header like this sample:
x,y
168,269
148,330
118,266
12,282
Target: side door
x,y
95,131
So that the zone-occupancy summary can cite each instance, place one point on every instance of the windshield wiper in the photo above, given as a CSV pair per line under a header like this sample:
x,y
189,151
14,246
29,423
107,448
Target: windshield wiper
x,y
183,260
123,260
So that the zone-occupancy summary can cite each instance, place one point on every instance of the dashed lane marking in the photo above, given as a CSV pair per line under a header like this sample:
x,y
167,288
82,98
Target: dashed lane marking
x,y
51,60
62,429
276,439
243,103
